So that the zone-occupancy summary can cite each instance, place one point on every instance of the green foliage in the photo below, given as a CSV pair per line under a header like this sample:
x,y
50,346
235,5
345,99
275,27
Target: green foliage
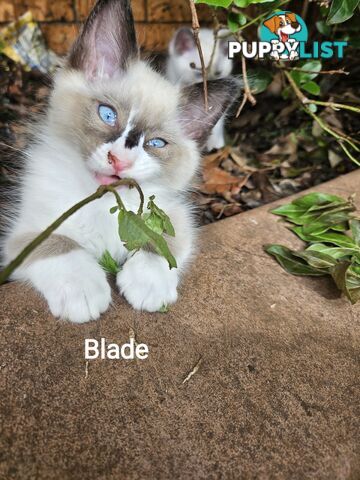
x,y
109,264
235,21
341,10
326,223
259,80
157,220
145,230
304,78
136,234
216,3
237,3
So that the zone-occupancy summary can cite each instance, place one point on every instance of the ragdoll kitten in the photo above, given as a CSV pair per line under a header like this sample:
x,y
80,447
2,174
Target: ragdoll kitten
x,y
183,53
110,116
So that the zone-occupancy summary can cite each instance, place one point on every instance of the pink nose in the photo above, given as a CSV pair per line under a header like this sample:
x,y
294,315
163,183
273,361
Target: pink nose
x,y
115,162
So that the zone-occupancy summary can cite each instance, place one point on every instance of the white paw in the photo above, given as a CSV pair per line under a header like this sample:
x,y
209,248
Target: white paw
x,y
147,283
74,285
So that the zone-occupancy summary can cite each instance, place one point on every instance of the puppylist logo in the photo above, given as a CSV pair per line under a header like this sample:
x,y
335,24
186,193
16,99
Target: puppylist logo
x,y
284,36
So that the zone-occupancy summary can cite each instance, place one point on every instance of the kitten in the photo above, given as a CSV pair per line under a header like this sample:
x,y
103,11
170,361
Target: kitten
x,y
110,116
183,53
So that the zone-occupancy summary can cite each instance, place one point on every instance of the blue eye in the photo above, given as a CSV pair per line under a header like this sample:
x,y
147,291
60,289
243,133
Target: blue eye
x,y
108,115
156,143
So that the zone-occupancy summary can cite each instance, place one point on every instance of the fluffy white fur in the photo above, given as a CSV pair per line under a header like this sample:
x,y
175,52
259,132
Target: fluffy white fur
x,y
183,53
73,153
56,178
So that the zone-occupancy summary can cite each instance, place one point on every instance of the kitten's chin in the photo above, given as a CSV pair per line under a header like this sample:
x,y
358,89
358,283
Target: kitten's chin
x,y
106,179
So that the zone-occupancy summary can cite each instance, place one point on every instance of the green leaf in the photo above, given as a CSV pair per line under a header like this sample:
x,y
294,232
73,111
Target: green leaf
x,y
259,80
338,253
246,3
337,239
216,3
114,210
136,234
312,199
312,107
308,71
291,262
341,10
317,259
311,87
338,273
109,264
158,220
235,21
355,230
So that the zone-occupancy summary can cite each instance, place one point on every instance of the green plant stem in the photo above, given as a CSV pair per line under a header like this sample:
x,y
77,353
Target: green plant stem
x,y
349,154
304,100
335,106
100,192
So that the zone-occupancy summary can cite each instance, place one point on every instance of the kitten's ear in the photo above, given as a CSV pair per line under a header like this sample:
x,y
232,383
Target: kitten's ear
x,y
197,122
183,41
107,41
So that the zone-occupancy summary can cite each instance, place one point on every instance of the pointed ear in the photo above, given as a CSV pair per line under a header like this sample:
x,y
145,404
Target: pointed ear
x,y
183,41
197,122
271,24
107,41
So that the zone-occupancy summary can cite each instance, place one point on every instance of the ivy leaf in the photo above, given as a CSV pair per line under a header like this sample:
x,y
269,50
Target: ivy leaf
x,y
341,10
109,264
291,262
135,234
158,220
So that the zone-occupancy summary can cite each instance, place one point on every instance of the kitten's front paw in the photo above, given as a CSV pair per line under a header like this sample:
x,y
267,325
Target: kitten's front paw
x,y
74,285
147,283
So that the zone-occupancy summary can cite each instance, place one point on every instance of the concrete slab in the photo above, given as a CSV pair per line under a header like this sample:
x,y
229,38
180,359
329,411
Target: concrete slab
x,y
276,395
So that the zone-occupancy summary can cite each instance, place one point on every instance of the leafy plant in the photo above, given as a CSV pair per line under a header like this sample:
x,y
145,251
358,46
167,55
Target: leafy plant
x,y
332,232
341,10
136,230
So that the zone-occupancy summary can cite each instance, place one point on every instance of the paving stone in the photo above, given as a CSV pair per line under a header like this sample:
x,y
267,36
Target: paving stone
x,y
276,395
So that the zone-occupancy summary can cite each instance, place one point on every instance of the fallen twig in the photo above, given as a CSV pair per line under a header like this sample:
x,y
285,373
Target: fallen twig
x,y
193,371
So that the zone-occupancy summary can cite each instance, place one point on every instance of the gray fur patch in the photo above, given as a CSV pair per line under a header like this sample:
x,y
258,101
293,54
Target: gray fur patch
x,y
54,246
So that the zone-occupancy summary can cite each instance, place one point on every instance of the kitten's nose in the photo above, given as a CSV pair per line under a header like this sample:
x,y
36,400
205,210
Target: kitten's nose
x,y
115,162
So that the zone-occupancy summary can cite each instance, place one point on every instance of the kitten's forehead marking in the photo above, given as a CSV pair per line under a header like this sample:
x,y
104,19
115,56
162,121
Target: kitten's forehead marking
x,y
133,138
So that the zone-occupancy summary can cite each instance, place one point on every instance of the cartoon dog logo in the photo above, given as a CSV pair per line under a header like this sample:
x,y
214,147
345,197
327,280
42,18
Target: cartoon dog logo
x,y
283,25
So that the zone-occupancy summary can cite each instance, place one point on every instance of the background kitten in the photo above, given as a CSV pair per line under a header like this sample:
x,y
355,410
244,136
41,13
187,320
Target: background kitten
x,y
183,52
110,116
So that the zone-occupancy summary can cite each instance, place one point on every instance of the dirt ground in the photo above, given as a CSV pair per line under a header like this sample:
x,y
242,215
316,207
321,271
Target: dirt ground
x,y
275,396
